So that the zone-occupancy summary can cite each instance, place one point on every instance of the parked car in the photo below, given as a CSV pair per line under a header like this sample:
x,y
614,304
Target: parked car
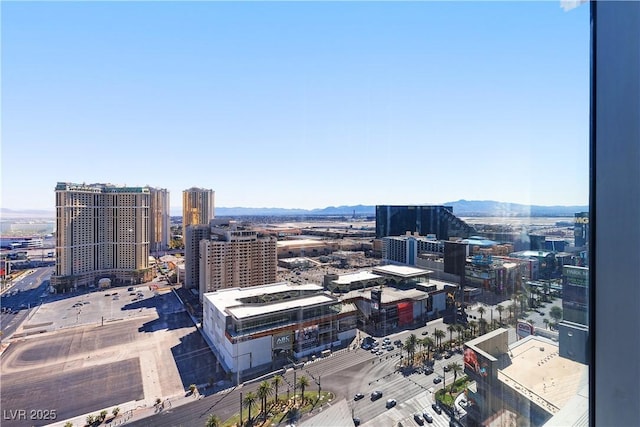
x,y
436,408
391,403
358,396
376,395
428,370
447,368
427,417
356,421
437,380
418,418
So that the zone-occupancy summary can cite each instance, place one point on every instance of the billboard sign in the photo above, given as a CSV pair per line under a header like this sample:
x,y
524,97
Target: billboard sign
x,y
476,366
524,329
376,299
282,341
307,338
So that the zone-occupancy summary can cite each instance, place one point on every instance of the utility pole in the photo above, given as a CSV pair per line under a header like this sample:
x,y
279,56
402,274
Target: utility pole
x,y
317,381
240,408
294,387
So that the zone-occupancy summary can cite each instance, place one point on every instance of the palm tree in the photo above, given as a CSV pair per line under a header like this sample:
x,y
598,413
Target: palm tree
x,y
500,310
264,391
276,381
455,367
460,331
483,326
428,342
451,328
439,334
523,300
481,310
546,323
213,421
473,325
513,310
248,401
410,344
303,382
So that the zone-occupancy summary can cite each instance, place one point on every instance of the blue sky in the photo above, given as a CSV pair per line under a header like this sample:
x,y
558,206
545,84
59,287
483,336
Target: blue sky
x,y
298,104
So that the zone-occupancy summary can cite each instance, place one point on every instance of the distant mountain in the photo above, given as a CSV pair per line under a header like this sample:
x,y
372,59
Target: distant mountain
x,y
460,208
26,214
492,208
331,210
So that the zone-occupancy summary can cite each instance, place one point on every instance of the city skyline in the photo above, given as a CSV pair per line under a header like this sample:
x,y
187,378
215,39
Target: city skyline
x,y
298,105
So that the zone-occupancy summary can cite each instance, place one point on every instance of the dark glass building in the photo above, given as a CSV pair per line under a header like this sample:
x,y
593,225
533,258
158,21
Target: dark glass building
x,y
438,220
581,229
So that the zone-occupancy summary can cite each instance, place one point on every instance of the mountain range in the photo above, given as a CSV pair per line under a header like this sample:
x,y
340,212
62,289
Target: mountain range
x,y
463,208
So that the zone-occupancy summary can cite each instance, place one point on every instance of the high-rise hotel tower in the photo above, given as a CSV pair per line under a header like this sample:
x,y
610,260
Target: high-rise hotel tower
x,y
197,211
159,221
197,207
102,231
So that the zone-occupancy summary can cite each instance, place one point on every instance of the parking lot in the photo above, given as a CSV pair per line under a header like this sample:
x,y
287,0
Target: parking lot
x,y
116,347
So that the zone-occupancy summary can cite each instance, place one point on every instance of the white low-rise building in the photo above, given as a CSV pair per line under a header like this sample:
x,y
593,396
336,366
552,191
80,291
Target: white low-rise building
x,y
266,327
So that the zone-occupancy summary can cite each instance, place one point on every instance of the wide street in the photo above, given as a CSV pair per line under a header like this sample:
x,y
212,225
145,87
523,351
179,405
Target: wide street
x,y
25,293
345,373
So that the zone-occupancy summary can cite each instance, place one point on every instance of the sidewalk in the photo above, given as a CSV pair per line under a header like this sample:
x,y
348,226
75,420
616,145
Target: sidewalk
x,y
132,411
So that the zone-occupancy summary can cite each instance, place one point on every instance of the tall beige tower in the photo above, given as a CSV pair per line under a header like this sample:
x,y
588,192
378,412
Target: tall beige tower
x,y
197,211
102,231
234,256
197,207
159,220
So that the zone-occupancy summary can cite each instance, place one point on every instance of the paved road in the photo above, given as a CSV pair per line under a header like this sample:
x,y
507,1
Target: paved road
x,y
344,373
21,298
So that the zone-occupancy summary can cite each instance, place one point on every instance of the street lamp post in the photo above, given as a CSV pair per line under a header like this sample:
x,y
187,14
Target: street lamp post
x,y
238,365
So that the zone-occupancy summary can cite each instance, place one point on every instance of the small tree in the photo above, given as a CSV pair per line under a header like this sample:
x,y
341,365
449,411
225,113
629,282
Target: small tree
x,y
555,313
192,388
91,419
68,424
115,411
103,415
213,421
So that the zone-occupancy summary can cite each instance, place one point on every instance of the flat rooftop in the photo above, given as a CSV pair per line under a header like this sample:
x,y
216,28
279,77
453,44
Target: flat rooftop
x,y
300,242
360,276
538,373
249,310
401,271
227,299
389,294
